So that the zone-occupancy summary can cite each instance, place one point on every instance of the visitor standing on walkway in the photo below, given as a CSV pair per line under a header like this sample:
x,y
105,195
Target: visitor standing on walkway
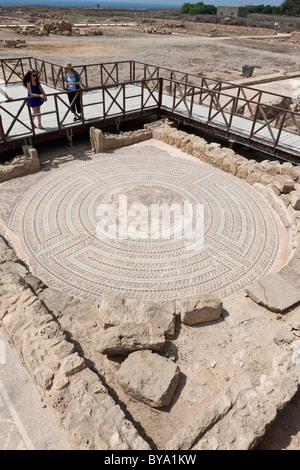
x,y
8,98
36,94
73,84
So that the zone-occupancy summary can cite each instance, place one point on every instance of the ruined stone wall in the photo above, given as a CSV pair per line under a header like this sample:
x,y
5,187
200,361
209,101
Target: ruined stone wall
x,y
20,165
80,400
102,142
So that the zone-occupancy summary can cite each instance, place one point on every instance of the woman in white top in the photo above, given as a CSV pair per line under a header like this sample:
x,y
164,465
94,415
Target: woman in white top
x,y
73,83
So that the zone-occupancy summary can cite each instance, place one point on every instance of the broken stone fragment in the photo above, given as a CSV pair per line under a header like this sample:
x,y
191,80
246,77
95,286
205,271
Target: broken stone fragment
x,y
126,338
129,325
294,321
149,378
202,308
273,292
284,183
295,200
72,364
283,335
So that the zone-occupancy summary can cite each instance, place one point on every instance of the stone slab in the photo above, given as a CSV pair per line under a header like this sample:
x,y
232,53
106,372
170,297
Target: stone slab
x,y
141,377
202,308
274,293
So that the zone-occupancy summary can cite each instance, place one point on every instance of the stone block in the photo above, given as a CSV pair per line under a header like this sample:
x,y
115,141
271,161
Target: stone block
x,y
96,139
126,338
294,321
130,324
284,183
149,378
20,165
274,293
295,200
202,308
283,335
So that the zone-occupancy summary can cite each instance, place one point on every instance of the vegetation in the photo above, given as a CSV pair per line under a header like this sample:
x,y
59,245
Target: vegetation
x,y
288,7
264,9
199,9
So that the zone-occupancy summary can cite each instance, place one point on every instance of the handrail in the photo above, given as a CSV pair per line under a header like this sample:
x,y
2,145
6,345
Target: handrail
x,y
58,96
133,72
180,88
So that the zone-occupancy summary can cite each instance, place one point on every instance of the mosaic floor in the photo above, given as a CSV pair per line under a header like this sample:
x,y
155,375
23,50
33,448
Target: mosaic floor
x,y
55,215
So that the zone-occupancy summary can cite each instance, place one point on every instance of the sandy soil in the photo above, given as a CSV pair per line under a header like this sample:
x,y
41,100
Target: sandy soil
x,y
193,49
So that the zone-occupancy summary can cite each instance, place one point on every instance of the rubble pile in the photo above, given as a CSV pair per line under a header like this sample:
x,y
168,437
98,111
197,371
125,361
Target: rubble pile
x,y
13,43
61,28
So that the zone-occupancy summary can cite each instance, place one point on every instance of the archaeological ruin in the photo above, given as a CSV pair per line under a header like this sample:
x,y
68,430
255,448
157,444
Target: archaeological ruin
x,y
143,337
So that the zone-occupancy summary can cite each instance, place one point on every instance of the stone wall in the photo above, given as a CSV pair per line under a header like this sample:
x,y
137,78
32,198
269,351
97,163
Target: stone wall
x,y
20,165
102,142
90,416
57,338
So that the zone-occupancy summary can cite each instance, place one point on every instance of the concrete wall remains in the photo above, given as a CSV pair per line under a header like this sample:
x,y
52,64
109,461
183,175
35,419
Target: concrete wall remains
x,y
235,12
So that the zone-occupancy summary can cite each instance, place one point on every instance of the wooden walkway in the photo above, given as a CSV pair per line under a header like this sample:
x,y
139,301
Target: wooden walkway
x,y
206,106
240,127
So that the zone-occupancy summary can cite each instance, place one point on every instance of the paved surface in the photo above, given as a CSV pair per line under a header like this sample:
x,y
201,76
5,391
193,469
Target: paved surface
x,y
24,423
54,215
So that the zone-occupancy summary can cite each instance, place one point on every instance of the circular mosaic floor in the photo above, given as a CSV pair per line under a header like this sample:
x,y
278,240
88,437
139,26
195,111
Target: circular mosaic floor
x,y
63,231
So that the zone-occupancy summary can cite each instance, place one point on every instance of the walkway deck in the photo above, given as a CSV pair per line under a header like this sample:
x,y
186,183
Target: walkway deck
x,y
98,107
244,116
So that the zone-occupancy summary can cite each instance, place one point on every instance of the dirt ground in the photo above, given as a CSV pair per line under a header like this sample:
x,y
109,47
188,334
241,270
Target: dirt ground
x,y
217,51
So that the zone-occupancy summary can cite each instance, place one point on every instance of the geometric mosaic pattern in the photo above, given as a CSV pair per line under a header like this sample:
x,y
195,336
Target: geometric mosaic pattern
x,y
56,220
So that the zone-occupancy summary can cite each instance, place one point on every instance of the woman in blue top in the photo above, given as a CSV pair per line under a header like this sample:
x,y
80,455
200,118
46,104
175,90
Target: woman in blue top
x,y
36,94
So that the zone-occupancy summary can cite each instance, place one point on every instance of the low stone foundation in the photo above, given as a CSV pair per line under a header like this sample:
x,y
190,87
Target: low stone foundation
x,y
20,165
77,395
102,142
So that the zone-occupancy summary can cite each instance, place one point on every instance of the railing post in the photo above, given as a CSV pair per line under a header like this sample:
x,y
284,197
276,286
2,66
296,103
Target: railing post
x,y
2,133
3,72
192,103
124,100
279,131
103,96
142,97
233,111
86,77
210,106
57,113
30,117
101,74
160,96
254,121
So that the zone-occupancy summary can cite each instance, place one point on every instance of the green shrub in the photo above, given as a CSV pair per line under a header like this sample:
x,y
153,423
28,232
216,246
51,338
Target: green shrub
x,y
199,9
